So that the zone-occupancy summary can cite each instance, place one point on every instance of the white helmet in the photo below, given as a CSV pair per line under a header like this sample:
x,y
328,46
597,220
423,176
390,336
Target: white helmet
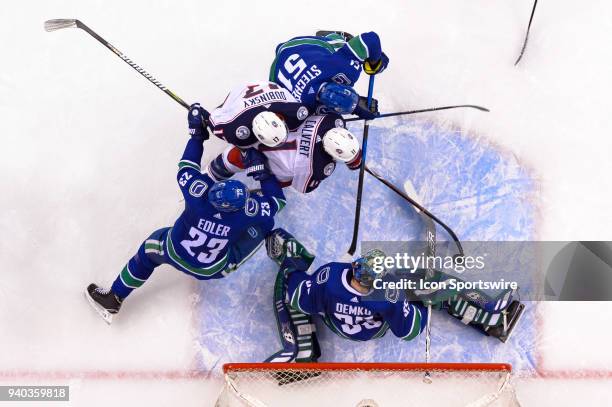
x,y
341,144
270,129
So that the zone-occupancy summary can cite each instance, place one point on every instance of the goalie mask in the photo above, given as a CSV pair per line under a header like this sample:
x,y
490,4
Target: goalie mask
x,y
369,267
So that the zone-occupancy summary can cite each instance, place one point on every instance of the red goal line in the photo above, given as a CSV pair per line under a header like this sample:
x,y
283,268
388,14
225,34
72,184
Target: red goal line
x,y
462,367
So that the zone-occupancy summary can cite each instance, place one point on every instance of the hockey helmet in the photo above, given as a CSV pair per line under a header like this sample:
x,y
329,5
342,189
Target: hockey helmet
x,y
341,144
228,196
270,129
365,269
341,99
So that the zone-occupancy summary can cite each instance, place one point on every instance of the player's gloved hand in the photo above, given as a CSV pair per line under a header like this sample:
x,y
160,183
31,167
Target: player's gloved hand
x,y
197,118
363,111
255,163
376,67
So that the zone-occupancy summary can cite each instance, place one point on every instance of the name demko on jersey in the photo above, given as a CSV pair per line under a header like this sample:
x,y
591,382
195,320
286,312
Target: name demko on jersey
x,y
348,312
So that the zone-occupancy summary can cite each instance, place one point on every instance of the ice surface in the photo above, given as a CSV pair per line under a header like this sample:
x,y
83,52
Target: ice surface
x,y
89,151
481,192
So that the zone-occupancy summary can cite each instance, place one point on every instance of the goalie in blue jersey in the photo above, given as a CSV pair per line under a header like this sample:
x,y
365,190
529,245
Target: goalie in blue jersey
x,y
222,225
320,71
343,294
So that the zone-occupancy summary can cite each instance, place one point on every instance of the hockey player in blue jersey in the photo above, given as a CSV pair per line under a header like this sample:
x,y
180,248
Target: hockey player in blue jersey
x,y
222,224
343,295
321,70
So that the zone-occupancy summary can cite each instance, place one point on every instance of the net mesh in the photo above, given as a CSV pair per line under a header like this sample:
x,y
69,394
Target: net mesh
x,y
367,385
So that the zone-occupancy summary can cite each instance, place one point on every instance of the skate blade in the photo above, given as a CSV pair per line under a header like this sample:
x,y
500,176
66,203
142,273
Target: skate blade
x,y
107,316
517,316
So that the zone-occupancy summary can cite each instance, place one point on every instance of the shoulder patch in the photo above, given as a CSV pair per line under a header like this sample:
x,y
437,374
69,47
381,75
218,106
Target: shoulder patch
x,y
392,295
302,113
251,208
329,169
198,188
243,133
323,275
339,123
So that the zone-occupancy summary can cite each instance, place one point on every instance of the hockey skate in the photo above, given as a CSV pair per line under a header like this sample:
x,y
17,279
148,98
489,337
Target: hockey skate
x,y
104,302
510,316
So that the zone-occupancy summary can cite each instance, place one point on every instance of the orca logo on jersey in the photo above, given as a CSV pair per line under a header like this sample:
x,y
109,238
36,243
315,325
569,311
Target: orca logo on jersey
x,y
323,275
198,188
251,208
341,79
243,132
252,232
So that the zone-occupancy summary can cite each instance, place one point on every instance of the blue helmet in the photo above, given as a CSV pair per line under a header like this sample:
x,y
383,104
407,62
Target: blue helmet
x,y
228,196
340,98
366,268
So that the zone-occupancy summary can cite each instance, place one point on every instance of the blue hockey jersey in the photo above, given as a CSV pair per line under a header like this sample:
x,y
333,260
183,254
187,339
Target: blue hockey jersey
x,y
348,312
303,64
201,239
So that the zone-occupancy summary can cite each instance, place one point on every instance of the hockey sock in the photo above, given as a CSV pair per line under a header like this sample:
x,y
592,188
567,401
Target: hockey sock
x,y
139,268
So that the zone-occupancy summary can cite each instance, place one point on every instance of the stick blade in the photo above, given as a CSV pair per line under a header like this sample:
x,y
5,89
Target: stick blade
x,y
60,23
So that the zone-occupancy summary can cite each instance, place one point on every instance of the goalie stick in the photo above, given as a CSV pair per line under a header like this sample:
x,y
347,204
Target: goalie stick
x,y
420,208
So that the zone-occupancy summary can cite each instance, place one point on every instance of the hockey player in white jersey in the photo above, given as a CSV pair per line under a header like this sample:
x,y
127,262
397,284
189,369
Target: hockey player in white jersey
x,y
307,157
258,112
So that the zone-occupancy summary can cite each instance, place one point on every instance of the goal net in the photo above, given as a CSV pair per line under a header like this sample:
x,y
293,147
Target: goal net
x,y
367,385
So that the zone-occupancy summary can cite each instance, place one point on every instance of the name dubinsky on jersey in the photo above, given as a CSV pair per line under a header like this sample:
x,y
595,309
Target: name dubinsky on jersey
x,y
233,120
301,160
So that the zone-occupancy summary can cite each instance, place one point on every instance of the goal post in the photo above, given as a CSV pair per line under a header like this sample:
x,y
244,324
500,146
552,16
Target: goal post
x,y
367,384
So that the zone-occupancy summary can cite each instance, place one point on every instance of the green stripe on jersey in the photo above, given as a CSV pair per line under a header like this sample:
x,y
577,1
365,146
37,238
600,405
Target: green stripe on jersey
x,y
200,271
306,41
415,329
295,299
280,203
188,164
358,47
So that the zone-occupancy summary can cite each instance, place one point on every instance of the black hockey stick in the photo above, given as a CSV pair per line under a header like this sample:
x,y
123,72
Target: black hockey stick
x,y
420,207
364,150
535,3
431,109
58,24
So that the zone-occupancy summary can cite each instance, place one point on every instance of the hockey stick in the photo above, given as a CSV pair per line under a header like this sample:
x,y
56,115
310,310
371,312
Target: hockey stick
x,y
58,24
420,207
431,109
535,3
364,147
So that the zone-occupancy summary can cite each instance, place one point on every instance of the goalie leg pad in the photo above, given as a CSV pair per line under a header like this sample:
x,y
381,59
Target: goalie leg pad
x,y
287,251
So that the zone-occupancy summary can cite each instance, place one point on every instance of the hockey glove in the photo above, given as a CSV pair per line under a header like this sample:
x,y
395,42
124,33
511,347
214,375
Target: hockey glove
x,y
376,67
362,110
197,118
255,163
